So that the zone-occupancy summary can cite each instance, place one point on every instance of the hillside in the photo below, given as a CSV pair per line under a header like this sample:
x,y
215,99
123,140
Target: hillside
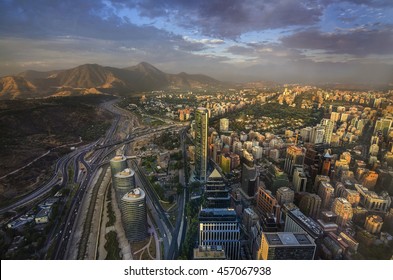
x,y
141,77
12,87
29,128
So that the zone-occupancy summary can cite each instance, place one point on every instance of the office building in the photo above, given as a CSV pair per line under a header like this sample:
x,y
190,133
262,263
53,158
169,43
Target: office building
x,y
296,221
299,180
134,215
225,163
370,180
249,179
285,195
343,209
216,192
220,227
286,246
310,204
257,152
329,126
201,144
266,202
326,164
117,164
276,178
326,193
123,182
372,201
294,157
317,134
250,218
318,180
352,196
383,125
224,125
373,224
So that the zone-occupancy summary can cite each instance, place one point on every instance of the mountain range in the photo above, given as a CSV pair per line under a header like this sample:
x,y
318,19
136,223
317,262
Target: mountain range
x,y
96,79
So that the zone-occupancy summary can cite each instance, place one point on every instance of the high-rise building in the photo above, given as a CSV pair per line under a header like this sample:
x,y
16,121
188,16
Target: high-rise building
x,y
383,125
201,144
329,126
317,134
286,246
299,180
123,182
224,125
134,214
225,163
373,224
250,218
296,221
276,178
117,164
295,156
352,196
343,209
326,193
257,152
370,180
310,205
216,192
326,164
220,227
285,195
305,133
266,202
249,179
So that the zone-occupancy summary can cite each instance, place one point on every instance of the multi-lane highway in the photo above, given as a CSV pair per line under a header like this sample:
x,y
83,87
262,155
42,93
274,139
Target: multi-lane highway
x,y
100,153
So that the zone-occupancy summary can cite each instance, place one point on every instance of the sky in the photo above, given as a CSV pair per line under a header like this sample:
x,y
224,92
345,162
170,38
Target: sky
x,y
288,41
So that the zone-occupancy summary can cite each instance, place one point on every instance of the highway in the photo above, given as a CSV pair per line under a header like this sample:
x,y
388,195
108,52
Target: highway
x,y
101,150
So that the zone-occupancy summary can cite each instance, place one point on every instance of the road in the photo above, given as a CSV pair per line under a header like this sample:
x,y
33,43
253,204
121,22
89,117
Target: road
x,y
100,153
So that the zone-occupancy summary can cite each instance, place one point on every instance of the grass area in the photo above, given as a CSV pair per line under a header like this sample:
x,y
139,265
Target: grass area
x,y
112,246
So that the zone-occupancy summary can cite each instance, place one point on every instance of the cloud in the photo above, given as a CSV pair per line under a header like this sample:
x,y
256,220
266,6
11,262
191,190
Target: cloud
x,y
358,42
231,18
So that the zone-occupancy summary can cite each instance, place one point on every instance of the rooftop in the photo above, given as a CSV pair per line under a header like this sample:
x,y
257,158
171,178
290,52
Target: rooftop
x,y
287,238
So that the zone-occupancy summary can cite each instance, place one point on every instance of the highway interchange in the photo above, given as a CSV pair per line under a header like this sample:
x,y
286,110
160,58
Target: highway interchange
x,y
100,153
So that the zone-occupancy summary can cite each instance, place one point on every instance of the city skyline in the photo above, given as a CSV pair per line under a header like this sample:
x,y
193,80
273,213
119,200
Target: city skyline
x,y
284,41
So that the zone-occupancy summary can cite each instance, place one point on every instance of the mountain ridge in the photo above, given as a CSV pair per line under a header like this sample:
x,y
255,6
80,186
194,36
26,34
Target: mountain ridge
x,y
140,77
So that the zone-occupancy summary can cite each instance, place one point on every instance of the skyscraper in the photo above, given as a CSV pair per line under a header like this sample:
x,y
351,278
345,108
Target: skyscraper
x,y
329,125
249,179
216,192
299,180
220,227
134,215
295,156
326,193
201,144
310,205
286,246
124,181
224,125
118,163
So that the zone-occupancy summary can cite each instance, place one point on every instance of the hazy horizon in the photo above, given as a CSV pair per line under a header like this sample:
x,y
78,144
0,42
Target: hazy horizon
x,y
285,41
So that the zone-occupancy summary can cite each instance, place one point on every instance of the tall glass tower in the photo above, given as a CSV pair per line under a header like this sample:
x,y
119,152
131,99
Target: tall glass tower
x,y
201,148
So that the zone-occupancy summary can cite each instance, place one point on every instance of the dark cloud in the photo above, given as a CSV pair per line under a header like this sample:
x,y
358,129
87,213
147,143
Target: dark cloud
x,y
231,18
371,3
359,42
